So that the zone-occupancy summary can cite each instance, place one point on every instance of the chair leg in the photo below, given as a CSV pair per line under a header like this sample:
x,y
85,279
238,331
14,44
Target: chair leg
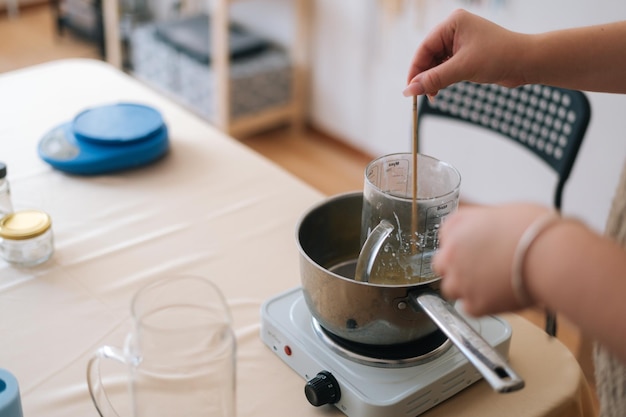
x,y
551,327
58,19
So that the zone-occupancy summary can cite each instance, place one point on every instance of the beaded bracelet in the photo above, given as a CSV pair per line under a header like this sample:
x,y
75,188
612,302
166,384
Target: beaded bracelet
x,y
528,237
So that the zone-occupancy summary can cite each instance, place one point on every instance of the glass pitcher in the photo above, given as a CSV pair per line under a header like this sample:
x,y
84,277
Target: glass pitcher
x,y
180,354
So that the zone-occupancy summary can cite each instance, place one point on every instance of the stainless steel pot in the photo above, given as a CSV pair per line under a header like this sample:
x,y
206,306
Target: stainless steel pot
x,y
328,237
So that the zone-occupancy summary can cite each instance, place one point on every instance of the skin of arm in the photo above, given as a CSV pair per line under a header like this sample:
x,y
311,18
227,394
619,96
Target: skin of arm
x,y
568,268
582,275
468,47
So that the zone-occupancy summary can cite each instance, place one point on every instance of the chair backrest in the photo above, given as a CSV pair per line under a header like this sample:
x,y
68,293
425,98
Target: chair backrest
x,y
550,122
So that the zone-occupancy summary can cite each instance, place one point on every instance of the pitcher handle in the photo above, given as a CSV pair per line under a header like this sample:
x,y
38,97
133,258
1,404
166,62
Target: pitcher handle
x,y
370,250
94,380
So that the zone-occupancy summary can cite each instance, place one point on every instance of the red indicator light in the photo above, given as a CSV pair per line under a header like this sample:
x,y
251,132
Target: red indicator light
x,y
287,350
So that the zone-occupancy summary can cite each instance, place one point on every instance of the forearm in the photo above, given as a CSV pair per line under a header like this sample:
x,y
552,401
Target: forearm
x,y
582,275
589,58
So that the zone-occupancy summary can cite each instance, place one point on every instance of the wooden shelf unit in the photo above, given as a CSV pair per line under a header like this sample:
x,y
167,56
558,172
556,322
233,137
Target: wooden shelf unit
x,y
293,113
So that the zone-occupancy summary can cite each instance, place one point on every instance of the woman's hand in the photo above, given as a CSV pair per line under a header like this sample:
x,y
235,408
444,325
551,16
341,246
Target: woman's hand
x,y
475,255
465,47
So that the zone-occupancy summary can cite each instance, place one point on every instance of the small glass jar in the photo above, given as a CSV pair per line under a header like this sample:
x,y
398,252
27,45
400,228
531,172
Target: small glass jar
x,y
26,237
6,207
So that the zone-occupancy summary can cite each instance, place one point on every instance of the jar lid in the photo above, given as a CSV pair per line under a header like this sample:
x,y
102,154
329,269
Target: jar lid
x,y
24,224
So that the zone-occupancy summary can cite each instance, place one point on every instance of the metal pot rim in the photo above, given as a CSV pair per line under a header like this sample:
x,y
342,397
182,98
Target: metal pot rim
x,y
333,274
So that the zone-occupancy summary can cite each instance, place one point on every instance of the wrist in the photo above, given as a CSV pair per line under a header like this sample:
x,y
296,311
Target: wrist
x,y
528,238
529,61
555,258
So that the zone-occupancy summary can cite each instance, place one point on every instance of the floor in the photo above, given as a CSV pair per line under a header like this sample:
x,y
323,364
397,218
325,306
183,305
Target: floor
x,y
326,164
31,38
316,158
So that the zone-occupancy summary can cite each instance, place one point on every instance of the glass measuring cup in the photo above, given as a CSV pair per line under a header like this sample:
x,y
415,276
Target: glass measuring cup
x,y
180,354
400,248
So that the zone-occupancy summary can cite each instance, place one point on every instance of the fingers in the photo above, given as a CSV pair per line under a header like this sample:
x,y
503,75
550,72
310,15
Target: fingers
x,y
431,81
453,287
433,67
464,47
442,264
453,261
424,72
474,257
450,287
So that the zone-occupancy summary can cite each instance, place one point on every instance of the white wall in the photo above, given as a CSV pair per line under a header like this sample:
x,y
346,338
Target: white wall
x,y
359,59
359,64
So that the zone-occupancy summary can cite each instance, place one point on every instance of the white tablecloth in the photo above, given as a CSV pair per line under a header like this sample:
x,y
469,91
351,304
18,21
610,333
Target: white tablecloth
x,y
211,208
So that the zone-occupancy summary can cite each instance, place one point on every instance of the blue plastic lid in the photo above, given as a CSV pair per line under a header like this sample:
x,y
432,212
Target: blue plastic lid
x,y
10,402
117,123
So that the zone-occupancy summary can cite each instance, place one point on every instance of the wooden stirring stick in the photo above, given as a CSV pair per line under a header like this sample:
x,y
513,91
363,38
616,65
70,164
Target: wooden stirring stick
x,y
414,202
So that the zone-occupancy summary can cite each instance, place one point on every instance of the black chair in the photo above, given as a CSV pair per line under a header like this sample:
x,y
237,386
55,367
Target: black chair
x,y
550,122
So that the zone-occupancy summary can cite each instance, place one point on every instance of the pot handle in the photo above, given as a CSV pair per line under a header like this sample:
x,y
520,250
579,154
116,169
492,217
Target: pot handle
x,y
481,354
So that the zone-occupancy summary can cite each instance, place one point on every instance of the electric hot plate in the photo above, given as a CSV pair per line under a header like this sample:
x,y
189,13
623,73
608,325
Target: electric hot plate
x,y
369,388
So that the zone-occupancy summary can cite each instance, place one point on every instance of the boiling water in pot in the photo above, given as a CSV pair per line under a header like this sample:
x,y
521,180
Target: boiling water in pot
x,y
410,273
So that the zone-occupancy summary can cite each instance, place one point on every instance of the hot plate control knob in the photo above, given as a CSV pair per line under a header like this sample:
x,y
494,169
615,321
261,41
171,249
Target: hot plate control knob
x,y
323,389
